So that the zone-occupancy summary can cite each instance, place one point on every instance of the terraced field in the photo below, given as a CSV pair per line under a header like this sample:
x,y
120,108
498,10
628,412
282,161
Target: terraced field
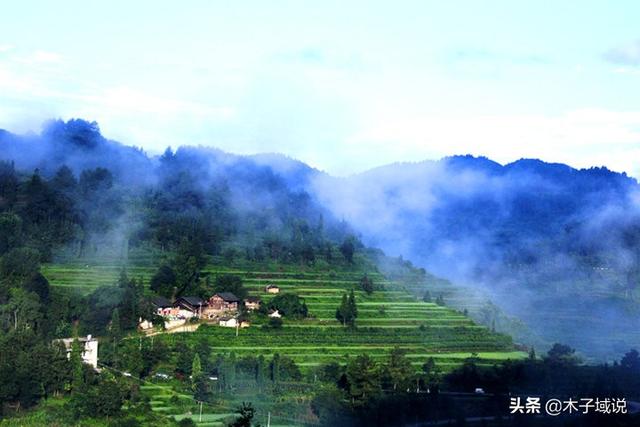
x,y
165,400
389,317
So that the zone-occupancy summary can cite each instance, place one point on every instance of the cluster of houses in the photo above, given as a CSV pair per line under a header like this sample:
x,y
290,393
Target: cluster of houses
x,y
222,307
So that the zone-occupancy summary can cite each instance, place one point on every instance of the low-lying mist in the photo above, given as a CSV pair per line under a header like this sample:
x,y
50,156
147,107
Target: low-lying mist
x,y
554,246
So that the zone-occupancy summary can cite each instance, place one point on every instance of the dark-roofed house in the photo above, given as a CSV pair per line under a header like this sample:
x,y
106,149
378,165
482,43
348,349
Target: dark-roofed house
x,y
222,302
164,307
189,306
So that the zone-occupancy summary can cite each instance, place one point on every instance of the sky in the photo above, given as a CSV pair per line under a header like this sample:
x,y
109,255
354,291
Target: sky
x,y
342,86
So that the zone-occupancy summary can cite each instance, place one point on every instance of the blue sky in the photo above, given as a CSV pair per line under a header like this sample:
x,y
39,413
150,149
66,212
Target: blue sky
x,y
344,86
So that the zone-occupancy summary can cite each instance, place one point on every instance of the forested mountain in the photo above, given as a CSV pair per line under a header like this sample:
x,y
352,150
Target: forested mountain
x,y
556,246
549,243
73,190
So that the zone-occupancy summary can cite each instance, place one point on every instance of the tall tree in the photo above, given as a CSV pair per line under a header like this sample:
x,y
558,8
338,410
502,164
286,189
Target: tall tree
x,y
363,378
399,369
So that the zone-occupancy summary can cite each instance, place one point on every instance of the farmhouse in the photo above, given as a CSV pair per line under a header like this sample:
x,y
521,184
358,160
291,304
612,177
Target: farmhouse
x,y
144,324
252,303
229,322
275,313
189,307
89,349
223,302
272,289
164,307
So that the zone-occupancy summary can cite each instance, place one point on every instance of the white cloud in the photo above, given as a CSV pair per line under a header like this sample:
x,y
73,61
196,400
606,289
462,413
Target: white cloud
x,y
628,54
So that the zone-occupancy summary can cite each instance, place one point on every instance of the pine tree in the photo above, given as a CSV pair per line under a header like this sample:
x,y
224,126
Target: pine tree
x,y
76,363
260,372
353,309
366,284
275,368
427,296
342,311
115,334
196,368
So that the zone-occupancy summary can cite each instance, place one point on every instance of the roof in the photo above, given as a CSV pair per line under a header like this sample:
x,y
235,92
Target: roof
x,y
191,300
226,319
252,299
161,302
271,286
228,297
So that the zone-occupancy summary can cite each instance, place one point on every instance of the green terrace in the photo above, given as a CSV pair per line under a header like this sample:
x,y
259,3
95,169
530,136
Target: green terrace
x,y
389,317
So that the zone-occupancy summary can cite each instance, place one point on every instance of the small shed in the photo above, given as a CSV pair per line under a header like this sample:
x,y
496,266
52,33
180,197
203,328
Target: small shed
x,y
275,313
272,289
229,322
252,303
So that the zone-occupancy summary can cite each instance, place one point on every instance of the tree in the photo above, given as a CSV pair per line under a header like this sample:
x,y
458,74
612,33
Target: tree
x,y
428,366
246,413
399,369
130,358
273,323
289,305
204,351
17,265
261,376
188,262
275,368
631,361
427,296
201,388
227,371
347,311
353,309
366,284
196,368
363,379
23,310
10,231
184,360
163,281
342,312
230,283
561,353
76,365
38,284
115,335
347,249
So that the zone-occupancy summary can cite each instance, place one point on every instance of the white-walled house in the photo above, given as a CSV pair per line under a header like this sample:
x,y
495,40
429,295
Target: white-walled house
x,y
229,322
275,313
89,349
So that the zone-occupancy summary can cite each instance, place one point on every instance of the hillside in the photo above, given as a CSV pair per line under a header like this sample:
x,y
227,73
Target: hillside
x,y
533,242
547,243
389,318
